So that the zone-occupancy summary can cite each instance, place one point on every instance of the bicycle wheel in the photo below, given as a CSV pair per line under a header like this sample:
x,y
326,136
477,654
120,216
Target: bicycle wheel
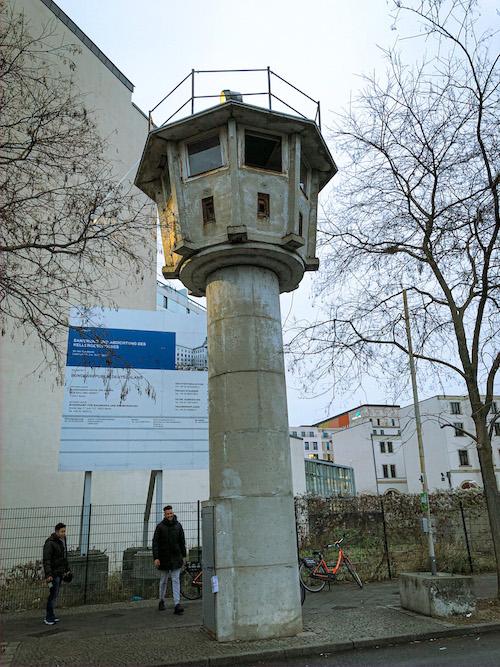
x,y
190,590
310,583
352,572
302,593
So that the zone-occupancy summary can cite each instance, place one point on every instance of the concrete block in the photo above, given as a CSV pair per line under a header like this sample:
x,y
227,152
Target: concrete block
x,y
439,596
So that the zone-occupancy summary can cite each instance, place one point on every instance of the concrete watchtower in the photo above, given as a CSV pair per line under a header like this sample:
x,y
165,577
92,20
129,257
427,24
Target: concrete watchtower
x,y
236,188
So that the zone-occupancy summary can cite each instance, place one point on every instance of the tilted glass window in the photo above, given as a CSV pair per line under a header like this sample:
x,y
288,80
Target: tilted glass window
x,y
204,155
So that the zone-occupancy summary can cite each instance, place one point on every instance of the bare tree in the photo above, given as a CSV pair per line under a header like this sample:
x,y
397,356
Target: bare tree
x,y
69,228
418,208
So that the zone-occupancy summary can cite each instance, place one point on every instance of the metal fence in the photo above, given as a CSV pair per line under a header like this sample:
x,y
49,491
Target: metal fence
x,y
106,571
383,537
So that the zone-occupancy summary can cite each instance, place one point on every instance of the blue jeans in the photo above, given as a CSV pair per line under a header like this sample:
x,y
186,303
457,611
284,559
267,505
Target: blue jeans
x,y
54,592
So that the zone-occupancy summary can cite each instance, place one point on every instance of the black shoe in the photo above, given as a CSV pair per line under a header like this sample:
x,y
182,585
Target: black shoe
x,y
178,609
161,605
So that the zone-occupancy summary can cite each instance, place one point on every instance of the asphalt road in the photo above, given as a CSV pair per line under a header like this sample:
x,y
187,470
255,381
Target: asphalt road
x,y
476,651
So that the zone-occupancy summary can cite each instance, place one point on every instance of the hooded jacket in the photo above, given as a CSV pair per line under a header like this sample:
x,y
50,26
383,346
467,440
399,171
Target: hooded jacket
x,y
169,545
55,561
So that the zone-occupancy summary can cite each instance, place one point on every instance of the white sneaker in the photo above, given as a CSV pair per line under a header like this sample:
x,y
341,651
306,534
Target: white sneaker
x,y
48,622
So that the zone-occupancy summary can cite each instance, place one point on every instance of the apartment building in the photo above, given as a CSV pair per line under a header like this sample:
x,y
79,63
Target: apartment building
x,y
317,442
450,453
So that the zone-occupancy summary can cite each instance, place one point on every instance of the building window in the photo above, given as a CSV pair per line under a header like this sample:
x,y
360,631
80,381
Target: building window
x,y
389,471
455,408
263,205
263,151
382,432
496,428
165,301
328,446
325,434
294,433
458,426
301,224
393,422
315,445
382,447
306,445
389,448
392,468
208,210
378,422
204,155
311,434
463,456
303,434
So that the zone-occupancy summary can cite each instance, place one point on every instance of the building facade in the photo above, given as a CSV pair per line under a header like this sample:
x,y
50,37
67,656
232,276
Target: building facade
x,y
317,443
451,458
31,395
380,444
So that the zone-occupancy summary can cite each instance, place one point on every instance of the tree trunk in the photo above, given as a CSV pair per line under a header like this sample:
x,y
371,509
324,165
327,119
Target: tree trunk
x,y
491,491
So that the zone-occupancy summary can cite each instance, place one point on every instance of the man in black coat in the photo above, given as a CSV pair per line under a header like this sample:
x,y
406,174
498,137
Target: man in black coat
x,y
169,551
55,565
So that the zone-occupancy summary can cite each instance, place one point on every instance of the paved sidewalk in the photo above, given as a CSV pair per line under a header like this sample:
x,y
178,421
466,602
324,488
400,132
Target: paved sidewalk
x,y
135,633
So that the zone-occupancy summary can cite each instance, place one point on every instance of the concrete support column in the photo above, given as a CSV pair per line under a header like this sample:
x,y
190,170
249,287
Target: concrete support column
x,y
250,469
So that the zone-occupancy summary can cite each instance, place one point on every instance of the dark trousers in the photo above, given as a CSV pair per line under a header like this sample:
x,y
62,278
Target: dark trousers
x,y
53,593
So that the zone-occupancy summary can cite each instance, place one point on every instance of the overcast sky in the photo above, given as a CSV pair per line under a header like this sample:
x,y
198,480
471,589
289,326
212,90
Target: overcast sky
x,y
321,46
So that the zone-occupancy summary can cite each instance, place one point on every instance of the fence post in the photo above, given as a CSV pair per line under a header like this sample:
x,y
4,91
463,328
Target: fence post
x,y
386,544
87,555
469,555
198,507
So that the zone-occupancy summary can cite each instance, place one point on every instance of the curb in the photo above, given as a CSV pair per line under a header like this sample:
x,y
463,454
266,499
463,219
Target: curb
x,y
332,647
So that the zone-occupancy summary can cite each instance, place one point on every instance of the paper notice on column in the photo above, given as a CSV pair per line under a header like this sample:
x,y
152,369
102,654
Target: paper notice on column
x,y
215,584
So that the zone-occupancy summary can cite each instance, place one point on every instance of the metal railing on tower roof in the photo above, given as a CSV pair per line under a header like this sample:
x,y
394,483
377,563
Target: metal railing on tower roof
x,y
270,91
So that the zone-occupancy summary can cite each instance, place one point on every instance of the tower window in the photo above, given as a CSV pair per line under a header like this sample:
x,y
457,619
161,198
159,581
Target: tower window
x,y
208,209
204,155
303,177
301,224
263,151
262,205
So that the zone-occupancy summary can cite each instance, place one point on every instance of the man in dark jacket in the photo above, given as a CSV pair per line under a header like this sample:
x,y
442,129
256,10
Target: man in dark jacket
x,y
55,565
169,551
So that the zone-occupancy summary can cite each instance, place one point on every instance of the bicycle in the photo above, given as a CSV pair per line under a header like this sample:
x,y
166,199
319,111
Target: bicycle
x,y
192,581
315,572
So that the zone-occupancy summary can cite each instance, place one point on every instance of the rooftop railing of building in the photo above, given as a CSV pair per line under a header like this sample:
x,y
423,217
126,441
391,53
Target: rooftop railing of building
x,y
263,86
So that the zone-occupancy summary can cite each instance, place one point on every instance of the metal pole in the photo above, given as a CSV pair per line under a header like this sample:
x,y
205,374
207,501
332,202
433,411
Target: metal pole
x,y
159,495
418,423
374,465
147,509
198,512
386,542
87,548
469,555
192,91
85,522
269,86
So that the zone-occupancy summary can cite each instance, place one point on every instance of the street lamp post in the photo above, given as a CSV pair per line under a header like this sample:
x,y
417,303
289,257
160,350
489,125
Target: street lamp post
x,y
418,423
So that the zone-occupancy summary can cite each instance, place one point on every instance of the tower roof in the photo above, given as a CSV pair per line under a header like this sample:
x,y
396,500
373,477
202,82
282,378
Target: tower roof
x,y
154,158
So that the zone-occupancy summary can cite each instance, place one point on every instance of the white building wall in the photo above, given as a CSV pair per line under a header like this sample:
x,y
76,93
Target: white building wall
x,y
298,467
353,447
441,445
30,396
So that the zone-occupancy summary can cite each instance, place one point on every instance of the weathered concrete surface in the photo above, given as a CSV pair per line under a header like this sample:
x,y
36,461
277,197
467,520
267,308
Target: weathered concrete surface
x,y
250,469
440,596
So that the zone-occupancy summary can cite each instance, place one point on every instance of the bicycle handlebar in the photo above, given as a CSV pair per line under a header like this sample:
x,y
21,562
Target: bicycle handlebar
x,y
335,544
